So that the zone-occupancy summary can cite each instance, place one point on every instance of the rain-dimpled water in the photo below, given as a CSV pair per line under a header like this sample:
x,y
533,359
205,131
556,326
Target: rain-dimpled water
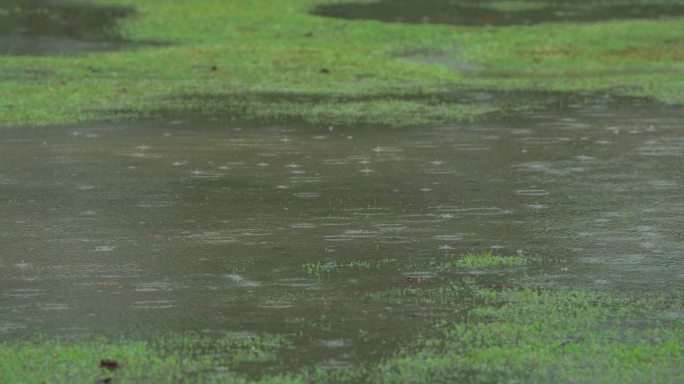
x,y
201,225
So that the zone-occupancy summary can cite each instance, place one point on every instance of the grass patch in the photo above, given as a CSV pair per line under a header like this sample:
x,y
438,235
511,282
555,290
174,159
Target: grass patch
x,y
508,335
233,51
167,359
523,335
485,259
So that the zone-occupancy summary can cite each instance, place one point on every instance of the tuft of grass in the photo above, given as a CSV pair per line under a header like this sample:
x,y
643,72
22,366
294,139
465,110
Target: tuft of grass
x,y
486,259
320,269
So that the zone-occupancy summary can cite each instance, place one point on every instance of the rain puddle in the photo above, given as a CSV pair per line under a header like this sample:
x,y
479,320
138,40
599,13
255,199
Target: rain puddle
x,y
494,12
52,27
232,228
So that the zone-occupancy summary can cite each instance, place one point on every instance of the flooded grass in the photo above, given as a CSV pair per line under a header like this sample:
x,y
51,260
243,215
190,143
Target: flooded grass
x,y
507,335
360,249
246,210
545,336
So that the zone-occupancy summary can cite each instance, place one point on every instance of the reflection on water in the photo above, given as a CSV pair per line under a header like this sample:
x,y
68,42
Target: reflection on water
x,y
133,228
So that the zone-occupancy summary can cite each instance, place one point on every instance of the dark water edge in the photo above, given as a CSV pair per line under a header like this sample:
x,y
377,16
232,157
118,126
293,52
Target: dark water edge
x,y
499,13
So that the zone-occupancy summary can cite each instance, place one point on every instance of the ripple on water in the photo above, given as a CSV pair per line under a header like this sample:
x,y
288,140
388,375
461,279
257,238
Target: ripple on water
x,y
480,211
311,179
276,304
336,161
532,192
663,147
240,281
298,283
7,327
353,234
395,240
23,265
199,174
8,181
307,195
452,237
333,364
53,306
374,211
143,155
303,225
334,343
213,237
155,202
153,304
390,227
154,286
23,292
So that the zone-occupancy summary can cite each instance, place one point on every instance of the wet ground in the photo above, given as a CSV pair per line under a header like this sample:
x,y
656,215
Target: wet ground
x,y
40,27
180,225
493,12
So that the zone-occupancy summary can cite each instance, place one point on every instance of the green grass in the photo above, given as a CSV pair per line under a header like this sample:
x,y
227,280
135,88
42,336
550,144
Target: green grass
x,y
267,47
541,336
469,331
509,335
186,358
268,56
484,259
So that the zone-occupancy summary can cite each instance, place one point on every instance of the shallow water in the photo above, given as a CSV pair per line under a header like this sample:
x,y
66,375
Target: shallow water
x,y
494,12
50,27
136,228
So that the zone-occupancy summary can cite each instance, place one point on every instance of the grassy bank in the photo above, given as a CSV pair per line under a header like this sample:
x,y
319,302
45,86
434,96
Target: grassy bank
x,y
271,60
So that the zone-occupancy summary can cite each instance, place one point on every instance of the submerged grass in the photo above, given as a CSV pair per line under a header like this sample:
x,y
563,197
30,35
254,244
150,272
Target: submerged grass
x,y
243,50
509,335
472,260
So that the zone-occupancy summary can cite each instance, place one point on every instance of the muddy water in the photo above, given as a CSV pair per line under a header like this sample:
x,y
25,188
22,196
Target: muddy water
x,y
40,27
179,225
493,12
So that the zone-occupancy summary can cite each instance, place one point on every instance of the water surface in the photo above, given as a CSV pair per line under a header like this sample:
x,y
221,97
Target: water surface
x,y
205,226
494,12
